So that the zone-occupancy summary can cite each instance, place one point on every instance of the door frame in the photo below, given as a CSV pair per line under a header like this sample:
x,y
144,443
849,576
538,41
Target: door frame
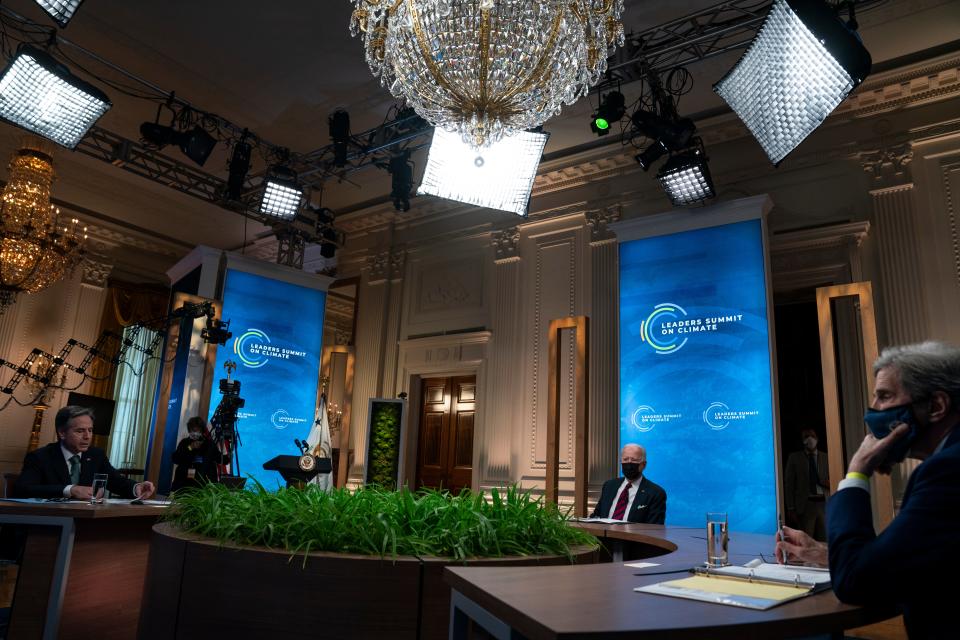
x,y
421,358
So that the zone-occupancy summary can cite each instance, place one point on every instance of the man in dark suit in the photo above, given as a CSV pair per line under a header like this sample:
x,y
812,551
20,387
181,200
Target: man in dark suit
x,y
65,469
633,498
806,486
917,386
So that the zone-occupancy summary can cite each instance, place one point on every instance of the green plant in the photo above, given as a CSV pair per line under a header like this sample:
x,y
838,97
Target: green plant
x,y
384,448
374,521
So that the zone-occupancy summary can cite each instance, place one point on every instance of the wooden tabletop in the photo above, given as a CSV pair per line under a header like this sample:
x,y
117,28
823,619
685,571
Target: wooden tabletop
x,y
80,509
598,600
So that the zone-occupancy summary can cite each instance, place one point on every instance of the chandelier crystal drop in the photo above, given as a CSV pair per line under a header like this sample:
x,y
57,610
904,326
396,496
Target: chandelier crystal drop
x,y
488,68
37,248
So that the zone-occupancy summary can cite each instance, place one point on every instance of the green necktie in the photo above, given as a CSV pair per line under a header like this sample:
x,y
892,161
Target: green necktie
x,y
75,469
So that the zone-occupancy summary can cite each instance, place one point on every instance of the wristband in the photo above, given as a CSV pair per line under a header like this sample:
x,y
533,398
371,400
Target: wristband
x,y
855,475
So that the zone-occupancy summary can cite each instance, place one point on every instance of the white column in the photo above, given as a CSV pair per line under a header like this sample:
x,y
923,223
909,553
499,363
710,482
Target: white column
x,y
603,419
894,223
502,372
371,312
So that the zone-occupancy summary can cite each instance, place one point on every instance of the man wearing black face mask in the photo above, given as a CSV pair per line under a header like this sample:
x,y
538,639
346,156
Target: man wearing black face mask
x,y
806,485
918,386
632,498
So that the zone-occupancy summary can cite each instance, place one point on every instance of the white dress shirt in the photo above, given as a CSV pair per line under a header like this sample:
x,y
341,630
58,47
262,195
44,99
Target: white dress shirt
x,y
632,487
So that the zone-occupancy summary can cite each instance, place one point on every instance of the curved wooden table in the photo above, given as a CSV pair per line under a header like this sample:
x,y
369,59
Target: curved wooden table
x,y
598,601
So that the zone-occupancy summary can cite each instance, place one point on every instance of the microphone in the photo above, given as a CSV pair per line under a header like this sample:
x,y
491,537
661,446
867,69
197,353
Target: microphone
x,y
297,442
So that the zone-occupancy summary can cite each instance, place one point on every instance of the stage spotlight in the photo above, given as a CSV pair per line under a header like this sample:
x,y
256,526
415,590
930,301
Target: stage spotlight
x,y
650,155
40,95
328,235
339,123
196,144
239,167
611,109
60,10
799,68
282,195
686,178
667,135
401,180
499,176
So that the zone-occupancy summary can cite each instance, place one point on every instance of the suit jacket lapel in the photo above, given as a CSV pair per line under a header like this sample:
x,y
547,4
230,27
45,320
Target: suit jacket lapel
x,y
640,499
59,464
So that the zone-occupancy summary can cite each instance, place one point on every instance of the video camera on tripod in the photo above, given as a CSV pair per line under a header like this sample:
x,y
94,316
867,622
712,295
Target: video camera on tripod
x,y
224,421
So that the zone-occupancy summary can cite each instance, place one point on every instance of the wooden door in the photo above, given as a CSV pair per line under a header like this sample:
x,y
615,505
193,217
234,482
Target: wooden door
x,y
445,452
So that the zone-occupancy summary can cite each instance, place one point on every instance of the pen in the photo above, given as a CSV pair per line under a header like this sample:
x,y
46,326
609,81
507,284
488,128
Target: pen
x,y
777,551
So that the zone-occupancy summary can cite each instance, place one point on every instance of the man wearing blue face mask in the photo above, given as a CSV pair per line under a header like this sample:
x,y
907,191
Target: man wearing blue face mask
x,y
918,390
632,498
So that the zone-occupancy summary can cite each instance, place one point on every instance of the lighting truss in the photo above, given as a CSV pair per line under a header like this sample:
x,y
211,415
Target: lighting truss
x,y
282,196
60,10
686,178
498,177
40,95
800,67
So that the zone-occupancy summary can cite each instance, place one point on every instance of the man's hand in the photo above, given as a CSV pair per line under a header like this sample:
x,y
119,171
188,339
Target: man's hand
x,y
872,452
81,493
796,547
144,490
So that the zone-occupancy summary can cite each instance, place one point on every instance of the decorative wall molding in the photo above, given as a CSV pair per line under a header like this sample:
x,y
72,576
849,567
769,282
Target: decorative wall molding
x,y
598,219
96,272
888,165
506,243
378,266
948,168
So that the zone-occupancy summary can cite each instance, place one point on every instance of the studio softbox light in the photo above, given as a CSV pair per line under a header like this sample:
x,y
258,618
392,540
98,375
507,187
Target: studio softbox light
x,y
60,10
802,64
40,95
499,176
282,195
686,179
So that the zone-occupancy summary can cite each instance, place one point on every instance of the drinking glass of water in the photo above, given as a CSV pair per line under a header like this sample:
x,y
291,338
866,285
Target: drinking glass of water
x,y
99,488
717,539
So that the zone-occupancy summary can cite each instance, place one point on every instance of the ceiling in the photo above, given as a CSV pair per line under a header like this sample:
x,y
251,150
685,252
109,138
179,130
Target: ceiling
x,y
280,69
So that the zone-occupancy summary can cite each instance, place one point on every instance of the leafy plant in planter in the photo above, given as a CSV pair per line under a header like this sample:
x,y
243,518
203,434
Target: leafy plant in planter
x,y
384,448
374,521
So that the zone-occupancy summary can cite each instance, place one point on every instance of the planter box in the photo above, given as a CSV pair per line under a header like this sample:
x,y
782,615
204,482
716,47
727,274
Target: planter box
x,y
197,588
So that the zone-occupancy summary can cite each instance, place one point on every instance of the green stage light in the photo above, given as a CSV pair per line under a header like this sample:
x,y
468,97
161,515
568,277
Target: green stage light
x,y
601,123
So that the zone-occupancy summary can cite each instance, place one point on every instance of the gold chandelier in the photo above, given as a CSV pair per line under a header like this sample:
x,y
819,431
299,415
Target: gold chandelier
x,y
488,68
36,247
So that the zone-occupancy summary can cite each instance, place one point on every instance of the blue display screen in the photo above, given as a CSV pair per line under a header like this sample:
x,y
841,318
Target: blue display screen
x,y
695,372
277,330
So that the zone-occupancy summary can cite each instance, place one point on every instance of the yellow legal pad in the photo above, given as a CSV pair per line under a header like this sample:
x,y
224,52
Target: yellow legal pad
x,y
737,593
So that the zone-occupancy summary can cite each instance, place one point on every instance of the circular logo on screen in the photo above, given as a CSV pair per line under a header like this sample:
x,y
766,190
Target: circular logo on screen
x,y
658,329
641,418
716,416
645,418
250,347
281,419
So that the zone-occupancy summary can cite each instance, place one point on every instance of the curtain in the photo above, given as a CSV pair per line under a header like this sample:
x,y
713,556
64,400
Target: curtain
x,y
134,390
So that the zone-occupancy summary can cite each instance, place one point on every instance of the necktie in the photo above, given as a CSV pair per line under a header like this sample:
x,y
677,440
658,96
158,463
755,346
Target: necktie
x,y
75,469
622,504
812,473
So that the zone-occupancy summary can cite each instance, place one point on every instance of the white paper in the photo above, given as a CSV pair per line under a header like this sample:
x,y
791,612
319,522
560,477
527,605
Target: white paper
x,y
780,572
641,565
602,520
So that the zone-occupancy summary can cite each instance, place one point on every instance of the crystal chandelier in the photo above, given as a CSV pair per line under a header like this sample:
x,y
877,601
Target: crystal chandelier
x,y
36,247
488,68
